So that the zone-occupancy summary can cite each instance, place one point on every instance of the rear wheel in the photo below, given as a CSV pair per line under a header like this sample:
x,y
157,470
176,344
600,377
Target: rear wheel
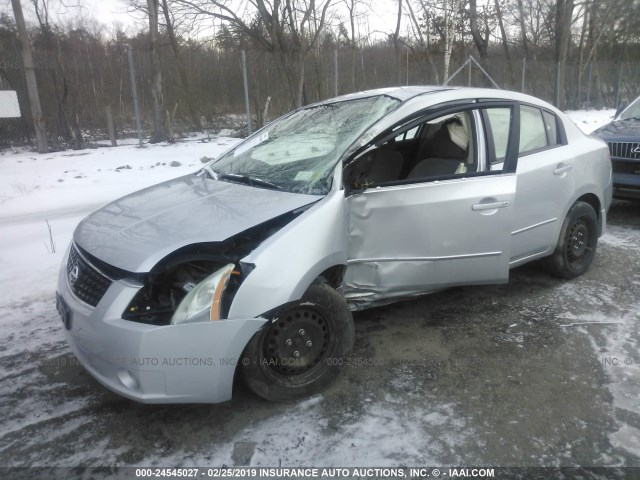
x,y
297,354
577,243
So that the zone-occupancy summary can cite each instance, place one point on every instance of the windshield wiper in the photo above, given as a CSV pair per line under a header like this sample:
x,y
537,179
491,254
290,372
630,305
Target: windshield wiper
x,y
254,182
631,118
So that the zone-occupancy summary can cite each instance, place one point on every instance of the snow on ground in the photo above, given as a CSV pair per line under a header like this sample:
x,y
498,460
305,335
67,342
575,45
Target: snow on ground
x,y
384,434
62,188
613,333
622,341
61,182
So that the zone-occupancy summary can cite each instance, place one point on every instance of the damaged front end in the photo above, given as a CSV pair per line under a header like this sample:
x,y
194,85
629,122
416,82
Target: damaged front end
x,y
149,336
199,277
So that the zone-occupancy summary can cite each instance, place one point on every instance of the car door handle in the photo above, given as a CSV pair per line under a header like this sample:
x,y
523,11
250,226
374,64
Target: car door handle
x,y
489,206
562,168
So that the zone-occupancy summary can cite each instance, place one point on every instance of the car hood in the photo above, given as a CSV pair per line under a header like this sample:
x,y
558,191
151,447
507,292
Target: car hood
x,y
620,130
137,231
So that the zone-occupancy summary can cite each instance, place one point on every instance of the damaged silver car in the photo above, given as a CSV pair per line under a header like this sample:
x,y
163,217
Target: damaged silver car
x,y
251,266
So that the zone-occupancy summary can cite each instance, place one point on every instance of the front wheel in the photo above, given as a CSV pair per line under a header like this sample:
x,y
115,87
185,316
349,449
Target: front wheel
x,y
296,355
577,243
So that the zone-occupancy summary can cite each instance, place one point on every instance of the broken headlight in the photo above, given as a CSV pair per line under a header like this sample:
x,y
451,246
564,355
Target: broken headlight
x,y
176,293
207,294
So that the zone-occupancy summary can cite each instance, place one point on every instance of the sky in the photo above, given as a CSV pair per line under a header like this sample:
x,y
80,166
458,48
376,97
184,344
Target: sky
x,y
381,17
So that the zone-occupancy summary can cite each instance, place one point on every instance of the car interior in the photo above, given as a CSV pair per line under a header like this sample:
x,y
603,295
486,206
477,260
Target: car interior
x,y
436,148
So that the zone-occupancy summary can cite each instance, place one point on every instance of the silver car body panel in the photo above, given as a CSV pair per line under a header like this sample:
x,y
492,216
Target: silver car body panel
x,y
411,239
290,260
394,241
190,363
569,172
137,231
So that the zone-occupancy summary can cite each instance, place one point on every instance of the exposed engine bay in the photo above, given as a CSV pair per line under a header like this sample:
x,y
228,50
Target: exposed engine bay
x,y
175,276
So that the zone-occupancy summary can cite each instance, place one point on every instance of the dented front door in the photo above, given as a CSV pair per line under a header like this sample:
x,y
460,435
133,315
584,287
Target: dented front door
x,y
415,238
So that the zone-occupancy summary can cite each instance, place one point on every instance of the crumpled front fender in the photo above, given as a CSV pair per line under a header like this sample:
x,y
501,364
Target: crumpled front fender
x,y
289,261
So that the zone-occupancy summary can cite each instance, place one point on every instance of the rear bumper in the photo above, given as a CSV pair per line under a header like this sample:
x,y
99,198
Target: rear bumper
x,y
190,363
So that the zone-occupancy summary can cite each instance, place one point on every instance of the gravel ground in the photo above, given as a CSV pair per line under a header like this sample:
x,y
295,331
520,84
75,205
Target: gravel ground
x,y
537,372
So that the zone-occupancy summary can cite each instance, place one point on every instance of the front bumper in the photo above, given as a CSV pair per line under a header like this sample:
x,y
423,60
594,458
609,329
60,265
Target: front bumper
x,y
190,363
626,185
626,177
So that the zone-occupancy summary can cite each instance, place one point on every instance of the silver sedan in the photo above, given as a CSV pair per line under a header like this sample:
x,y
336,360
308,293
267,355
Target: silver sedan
x,y
252,265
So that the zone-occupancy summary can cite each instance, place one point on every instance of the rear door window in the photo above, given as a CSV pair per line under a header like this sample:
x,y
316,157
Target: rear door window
x,y
533,132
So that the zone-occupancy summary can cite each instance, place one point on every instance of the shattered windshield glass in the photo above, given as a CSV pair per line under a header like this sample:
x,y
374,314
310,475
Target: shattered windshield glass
x,y
297,153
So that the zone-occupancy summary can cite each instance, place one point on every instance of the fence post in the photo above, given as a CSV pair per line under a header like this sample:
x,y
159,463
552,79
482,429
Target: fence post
x,y
134,95
335,72
407,67
524,68
589,87
558,85
30,79
618,86
112,133
246,92
265,112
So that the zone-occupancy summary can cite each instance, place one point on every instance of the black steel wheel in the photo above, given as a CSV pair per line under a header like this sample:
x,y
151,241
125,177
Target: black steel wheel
x,y
577,243
297,354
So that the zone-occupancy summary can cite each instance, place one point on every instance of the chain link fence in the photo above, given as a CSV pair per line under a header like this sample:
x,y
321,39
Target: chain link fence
x,y
85,86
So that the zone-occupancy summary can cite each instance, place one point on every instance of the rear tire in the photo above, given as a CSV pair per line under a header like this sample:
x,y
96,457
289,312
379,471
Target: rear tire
x,y
298,354
577,242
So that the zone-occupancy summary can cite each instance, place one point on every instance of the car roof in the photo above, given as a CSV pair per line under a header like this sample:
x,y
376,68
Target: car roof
x,y
401,93
407,93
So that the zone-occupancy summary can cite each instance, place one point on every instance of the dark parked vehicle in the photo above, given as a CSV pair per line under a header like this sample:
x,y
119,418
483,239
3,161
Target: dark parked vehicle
x,y
623,137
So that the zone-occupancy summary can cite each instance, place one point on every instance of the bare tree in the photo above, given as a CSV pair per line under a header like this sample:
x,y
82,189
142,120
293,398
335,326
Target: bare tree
x,y
30,74
523,28
397,44
422,39
288,29
481,39
68,127
184,77
352,6
159,133
505,42
563,21
451,8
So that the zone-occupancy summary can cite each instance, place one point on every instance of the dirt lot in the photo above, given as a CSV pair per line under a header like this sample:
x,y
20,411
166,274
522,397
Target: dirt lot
x,y
538,372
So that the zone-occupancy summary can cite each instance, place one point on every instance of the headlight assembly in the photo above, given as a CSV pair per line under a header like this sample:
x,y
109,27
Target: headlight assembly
x,y
207,294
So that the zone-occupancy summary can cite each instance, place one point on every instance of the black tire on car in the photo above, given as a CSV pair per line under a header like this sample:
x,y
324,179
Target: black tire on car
x,y
577,242
300,352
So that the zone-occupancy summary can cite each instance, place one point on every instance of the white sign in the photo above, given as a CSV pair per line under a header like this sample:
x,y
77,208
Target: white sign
x,y
9,107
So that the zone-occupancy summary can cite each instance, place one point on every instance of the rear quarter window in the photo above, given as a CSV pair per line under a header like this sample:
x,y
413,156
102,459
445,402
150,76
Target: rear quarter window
x,y
551,125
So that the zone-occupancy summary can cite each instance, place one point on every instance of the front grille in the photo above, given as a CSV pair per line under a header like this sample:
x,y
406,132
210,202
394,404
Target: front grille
x,y
626,150
86,282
